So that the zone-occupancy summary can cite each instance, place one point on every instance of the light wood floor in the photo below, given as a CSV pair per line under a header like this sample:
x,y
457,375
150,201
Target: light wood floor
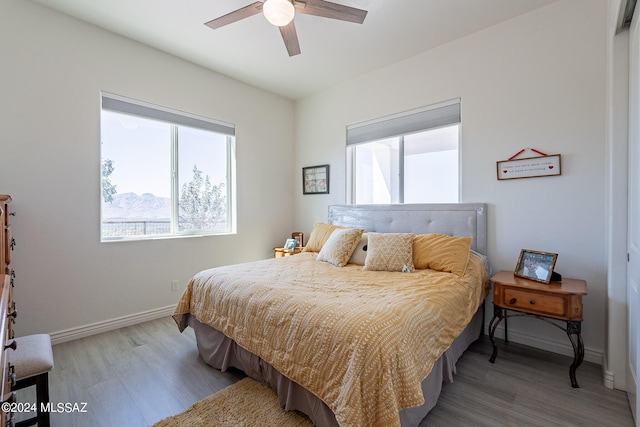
x,y
138,375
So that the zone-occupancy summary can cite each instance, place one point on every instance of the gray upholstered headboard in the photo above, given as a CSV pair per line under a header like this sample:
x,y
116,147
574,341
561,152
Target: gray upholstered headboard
x,y
455,219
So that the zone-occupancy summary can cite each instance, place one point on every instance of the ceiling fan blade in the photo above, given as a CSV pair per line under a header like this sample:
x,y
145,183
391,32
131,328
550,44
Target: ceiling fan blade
x,y
236,15
327,9
290,37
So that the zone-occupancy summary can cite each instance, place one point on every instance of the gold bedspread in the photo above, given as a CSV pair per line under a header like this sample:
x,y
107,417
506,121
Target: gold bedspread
x,y
362,341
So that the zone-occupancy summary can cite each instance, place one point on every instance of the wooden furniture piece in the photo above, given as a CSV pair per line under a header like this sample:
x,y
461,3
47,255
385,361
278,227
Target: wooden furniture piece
x,y
8,377
514,296
7,308
280,252
33,359
8,243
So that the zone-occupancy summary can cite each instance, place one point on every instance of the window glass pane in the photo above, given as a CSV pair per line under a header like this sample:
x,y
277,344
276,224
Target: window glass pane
x,y
136,178
431,166
202,181
161,178
377,172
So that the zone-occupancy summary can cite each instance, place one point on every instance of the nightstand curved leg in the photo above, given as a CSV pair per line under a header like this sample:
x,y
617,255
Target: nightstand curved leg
x,y
574,330
495,321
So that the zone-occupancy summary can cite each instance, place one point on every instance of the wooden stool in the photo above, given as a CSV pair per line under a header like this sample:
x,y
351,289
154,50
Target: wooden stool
x,y
33,359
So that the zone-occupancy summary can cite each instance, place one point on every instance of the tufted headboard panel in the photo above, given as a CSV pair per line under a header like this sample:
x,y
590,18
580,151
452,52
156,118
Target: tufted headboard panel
x,y
455,219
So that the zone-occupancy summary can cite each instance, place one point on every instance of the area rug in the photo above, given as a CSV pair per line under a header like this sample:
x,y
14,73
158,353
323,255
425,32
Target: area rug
x,y
243,404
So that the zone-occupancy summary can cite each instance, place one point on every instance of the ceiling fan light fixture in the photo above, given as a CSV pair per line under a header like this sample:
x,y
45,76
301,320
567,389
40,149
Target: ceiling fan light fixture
x,y
278,12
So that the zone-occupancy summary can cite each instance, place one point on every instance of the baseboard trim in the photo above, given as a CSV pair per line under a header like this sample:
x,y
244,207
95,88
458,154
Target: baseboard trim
x,y
109,325
608,379
564,348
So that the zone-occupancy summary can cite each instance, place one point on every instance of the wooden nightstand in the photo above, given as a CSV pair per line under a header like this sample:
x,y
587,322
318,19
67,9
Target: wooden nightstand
x,y
514,296
280,252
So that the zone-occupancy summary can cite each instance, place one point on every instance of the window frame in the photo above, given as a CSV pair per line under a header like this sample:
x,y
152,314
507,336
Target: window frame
x,y
135,108
399,126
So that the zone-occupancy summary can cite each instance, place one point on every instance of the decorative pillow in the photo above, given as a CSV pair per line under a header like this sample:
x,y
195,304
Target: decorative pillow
x,y
339,246
319,236
360,252
442,252
389,252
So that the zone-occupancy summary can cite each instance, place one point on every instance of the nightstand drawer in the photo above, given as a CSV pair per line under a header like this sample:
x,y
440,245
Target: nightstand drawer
x,y
531,302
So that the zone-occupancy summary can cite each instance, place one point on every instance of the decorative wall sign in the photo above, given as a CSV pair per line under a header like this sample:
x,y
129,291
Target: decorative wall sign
x,y
545,165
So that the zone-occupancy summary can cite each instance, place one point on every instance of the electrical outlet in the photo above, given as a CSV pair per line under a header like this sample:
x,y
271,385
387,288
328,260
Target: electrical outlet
x,y
174,285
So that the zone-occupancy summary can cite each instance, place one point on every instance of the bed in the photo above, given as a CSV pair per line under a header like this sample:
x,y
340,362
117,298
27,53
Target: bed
x,y
343,344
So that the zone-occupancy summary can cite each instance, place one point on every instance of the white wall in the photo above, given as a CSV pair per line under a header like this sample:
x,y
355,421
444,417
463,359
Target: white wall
x,y
539,80
52,71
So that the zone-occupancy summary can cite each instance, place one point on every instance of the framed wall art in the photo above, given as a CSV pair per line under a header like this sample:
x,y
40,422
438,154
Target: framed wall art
x,y
315,179
535,265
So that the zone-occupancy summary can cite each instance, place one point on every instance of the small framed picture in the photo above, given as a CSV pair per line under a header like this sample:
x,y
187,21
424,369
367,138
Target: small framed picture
x,y
290,244
315,179
535,265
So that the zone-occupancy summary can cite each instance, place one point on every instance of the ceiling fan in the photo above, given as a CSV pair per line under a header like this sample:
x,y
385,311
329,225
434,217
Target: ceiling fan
x,y
281,12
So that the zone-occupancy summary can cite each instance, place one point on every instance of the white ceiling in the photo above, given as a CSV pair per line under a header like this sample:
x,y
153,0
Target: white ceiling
x,y
333,51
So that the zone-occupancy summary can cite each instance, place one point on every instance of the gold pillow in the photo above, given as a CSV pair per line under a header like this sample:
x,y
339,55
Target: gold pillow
x,y
339,246
389,252
319,236
442,252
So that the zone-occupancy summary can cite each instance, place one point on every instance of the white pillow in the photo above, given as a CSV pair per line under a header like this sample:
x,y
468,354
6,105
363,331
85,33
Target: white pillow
x,y
360,252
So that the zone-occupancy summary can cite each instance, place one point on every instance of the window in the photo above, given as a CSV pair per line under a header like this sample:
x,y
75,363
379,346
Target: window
x,y
164,173
411,157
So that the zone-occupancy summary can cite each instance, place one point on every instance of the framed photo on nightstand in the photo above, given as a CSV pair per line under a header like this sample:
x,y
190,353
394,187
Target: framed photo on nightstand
x,y
290,244
535,265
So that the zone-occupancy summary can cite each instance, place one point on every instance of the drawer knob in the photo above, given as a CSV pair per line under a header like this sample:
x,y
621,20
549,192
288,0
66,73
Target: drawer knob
x,y
12,346
532,302
512,301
